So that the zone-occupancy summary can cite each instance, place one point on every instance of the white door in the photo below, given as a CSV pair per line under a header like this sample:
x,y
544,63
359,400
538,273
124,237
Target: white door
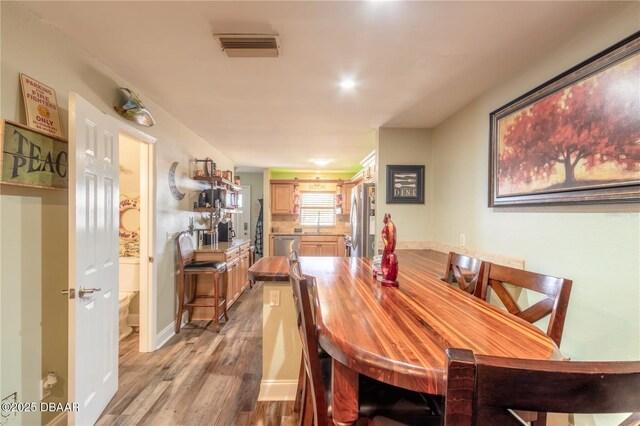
x,y
243,229
93,259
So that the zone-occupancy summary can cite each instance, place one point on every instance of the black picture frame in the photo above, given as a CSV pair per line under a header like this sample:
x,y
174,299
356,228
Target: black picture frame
x,y
540,152
405,184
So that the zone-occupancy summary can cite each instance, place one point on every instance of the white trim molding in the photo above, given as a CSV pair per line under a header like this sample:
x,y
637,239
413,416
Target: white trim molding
x,y
59,420
278,390
168,332
446,248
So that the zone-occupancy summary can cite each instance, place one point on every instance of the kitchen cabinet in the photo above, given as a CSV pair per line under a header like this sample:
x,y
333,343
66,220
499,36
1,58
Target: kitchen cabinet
x,y
320,245
282,198
346,198
236,255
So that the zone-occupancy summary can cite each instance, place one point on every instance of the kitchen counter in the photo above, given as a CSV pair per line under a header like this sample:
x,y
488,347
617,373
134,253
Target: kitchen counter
x,y
303,234
223,247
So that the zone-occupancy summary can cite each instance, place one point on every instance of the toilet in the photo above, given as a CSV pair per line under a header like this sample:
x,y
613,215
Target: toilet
x,y
129,287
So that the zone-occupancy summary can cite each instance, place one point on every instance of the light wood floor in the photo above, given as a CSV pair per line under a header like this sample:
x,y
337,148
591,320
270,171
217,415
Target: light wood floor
x,y
199,377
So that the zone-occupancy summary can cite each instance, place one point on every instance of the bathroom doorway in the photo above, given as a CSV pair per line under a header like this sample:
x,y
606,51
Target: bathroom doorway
x,y
135,253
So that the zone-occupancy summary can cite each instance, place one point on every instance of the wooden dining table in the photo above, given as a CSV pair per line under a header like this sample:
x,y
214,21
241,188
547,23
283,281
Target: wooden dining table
x,y
399,335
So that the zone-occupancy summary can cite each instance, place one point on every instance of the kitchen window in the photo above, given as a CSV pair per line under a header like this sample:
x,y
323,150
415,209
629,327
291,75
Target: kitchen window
x,y
317,209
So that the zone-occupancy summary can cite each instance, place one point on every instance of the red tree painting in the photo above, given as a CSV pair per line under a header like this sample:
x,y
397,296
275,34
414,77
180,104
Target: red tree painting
x,y
585,135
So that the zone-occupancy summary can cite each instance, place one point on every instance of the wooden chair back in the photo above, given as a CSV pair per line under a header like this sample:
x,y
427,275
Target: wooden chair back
x,y
465,271
186,249
481,389
309,337
555,302
293,257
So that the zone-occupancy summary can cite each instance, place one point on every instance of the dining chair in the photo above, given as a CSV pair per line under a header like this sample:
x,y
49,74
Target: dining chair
x,y
465,271
298,404
188,268
482,390
375,398
293,257
556,293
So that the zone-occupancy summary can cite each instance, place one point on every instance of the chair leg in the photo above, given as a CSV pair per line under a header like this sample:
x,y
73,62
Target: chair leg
x,y
300,390
224,295
193,288
252,260
541,420
216,304
306,413
180,301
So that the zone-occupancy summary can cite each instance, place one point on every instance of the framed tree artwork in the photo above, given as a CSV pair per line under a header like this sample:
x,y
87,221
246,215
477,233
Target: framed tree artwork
x,y
575,139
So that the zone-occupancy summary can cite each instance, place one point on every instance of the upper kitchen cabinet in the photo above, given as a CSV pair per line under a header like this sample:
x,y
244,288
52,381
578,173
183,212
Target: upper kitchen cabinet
x,y
346,197
282,198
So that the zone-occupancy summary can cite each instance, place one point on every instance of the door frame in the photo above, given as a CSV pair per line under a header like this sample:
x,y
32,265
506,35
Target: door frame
x,y
148,284
246,201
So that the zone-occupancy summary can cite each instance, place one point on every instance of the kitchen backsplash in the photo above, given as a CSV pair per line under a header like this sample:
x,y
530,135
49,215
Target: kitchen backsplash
x,y
288,223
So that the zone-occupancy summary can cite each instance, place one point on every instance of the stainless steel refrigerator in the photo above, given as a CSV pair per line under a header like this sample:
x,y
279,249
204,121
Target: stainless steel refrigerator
x,y
363,220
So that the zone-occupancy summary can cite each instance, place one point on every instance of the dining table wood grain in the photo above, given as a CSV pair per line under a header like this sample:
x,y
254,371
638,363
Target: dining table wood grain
x,y
399,335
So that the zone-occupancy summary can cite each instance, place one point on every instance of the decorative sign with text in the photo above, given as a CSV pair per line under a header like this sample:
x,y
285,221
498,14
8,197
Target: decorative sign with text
x,y
41,106
31,158
405,184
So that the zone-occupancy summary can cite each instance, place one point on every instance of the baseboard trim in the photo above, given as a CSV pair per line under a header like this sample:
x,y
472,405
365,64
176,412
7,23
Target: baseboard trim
x,y
278,390
446,248
489,257
168,332
59,420
133,320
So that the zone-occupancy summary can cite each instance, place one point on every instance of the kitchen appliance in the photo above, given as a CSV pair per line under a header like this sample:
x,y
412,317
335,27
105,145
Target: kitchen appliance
x,y
347,245
283,245
363,220
226,232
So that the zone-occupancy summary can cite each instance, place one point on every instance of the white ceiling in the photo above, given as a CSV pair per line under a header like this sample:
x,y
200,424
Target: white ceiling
x,y
415,64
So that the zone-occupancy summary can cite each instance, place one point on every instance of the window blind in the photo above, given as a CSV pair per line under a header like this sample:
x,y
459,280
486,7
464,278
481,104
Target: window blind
x,y
317,208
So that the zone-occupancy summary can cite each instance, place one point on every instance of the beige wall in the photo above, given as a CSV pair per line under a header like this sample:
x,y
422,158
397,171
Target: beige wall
x,y
414,222
129,167
33,47
598,247
129,181
282,349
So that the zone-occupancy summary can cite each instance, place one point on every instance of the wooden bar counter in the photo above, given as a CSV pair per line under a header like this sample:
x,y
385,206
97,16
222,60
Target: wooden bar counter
x,y
399,335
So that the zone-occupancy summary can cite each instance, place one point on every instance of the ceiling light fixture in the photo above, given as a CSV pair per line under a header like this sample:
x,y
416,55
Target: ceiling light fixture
x,y
321,161
348,83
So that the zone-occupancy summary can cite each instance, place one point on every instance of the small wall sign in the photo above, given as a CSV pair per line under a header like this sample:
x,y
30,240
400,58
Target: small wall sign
x,y
41,106
31,158
405,184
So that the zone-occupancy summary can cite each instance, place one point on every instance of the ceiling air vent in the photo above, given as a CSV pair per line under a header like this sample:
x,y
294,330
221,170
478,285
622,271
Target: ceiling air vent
x,y
249,45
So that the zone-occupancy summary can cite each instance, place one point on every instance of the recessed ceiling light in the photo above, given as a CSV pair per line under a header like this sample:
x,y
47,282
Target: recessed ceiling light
x,y
321,161
347,83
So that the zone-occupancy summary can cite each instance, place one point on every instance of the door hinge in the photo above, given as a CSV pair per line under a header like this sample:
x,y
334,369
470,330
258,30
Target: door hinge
x,y
70,292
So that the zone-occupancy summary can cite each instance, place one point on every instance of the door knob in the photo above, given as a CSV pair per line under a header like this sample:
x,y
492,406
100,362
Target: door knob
x,y
82,291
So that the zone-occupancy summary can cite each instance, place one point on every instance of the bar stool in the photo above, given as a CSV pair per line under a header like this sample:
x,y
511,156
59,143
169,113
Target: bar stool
x,y
188,268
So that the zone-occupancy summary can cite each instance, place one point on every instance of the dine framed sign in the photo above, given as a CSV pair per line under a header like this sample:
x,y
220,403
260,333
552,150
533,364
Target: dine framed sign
x,y
31,158
405,184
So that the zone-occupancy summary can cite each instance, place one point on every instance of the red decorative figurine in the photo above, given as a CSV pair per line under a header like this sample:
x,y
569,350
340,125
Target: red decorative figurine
x,y
389,259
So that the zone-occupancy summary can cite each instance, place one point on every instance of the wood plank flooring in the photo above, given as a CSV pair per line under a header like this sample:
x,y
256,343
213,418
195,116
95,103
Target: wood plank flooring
x,y
199,377
203,378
